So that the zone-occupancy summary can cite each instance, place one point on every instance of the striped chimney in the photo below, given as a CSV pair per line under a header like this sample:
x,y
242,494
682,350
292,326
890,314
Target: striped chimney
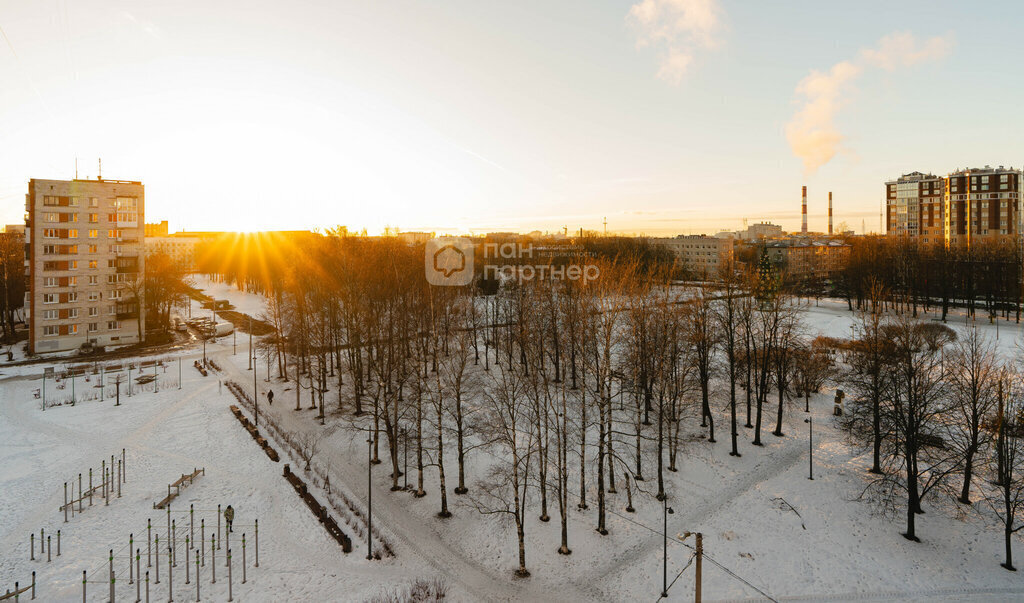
x,y
830,213
803,229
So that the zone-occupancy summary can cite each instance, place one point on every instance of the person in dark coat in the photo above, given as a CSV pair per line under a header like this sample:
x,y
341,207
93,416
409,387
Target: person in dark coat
x,y
229,516
270,397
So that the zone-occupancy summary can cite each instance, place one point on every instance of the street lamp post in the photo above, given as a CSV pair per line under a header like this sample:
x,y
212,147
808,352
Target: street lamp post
x,y
810,446
667,510
369,498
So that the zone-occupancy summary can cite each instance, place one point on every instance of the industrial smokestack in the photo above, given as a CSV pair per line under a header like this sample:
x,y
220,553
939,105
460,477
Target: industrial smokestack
x,y
803,228
830,213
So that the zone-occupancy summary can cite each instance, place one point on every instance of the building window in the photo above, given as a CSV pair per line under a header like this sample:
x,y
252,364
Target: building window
x,y
93,327
93,265
49,281
94,202
92,248
94,311
50,233
113,325
73,234
94,295
49,298
73,313
72,281
72,329
72,298
51,217
94,280
50,330
94,218
93,234
50,315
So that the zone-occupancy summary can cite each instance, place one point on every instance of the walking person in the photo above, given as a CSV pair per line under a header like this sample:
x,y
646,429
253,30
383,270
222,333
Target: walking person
x,y
270,397
229,516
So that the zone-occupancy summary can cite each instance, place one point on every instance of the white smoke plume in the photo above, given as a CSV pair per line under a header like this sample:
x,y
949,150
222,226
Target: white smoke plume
x,y
812,132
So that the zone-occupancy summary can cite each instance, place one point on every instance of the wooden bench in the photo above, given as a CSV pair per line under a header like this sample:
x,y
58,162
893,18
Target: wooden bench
x,y
178,484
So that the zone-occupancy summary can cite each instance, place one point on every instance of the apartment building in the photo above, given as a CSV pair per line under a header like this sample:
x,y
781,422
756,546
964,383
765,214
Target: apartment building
x,y
914,206
802,259
982,204
181,249
83,260
700,254
159,229
956,209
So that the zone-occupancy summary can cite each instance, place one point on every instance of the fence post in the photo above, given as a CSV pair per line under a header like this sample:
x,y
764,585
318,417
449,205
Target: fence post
x,y
90,487
197,575
131,545
33,585
149,543
213,561
138,575
111,575
170,576
65,502
49,557
257,543
218,527
83,586
119,479
106,490
174,543
168,515
32,547
192,522
41,543
156,541
186,562
58,543
124,466
103,471
243,557
81,495
202,539
147,586
227,534
229,575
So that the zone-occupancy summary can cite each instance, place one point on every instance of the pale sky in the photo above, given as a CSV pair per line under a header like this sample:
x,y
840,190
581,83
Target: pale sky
x,y
665,116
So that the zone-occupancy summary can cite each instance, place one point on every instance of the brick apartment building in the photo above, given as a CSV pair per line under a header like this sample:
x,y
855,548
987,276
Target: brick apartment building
x,y
956,209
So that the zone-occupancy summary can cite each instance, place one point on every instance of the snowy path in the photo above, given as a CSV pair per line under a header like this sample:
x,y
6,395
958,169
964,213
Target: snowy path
x,y
415,538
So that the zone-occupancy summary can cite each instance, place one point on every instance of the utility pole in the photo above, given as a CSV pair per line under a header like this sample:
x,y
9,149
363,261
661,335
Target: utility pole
x,y
250,343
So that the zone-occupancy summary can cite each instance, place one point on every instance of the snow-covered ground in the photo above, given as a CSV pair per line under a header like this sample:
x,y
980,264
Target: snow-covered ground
x,y
164,434
243,301
768,530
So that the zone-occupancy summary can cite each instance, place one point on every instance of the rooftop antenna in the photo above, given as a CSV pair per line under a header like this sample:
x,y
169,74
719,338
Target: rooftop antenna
x,y
76,168
99,176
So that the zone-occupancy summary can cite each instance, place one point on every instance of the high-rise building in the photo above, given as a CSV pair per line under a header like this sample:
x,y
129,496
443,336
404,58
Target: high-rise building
x,y
982,204
84,261
964,206
913,206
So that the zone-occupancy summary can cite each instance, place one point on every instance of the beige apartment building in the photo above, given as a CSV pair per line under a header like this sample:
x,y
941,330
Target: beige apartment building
x,y
181,249
702,255
84,262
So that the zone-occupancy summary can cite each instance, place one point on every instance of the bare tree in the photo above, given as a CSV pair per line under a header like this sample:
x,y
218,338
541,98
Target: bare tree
x,y
510,423
1009,463
973,372
308,443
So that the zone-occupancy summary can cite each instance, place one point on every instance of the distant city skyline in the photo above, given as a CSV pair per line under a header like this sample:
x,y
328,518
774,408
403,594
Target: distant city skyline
x,y
663,116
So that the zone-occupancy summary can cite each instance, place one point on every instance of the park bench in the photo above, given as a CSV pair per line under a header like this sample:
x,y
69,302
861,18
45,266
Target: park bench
x,y
178,484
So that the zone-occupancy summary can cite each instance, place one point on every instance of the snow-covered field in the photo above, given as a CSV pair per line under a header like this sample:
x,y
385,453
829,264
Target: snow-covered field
x,y
768,530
